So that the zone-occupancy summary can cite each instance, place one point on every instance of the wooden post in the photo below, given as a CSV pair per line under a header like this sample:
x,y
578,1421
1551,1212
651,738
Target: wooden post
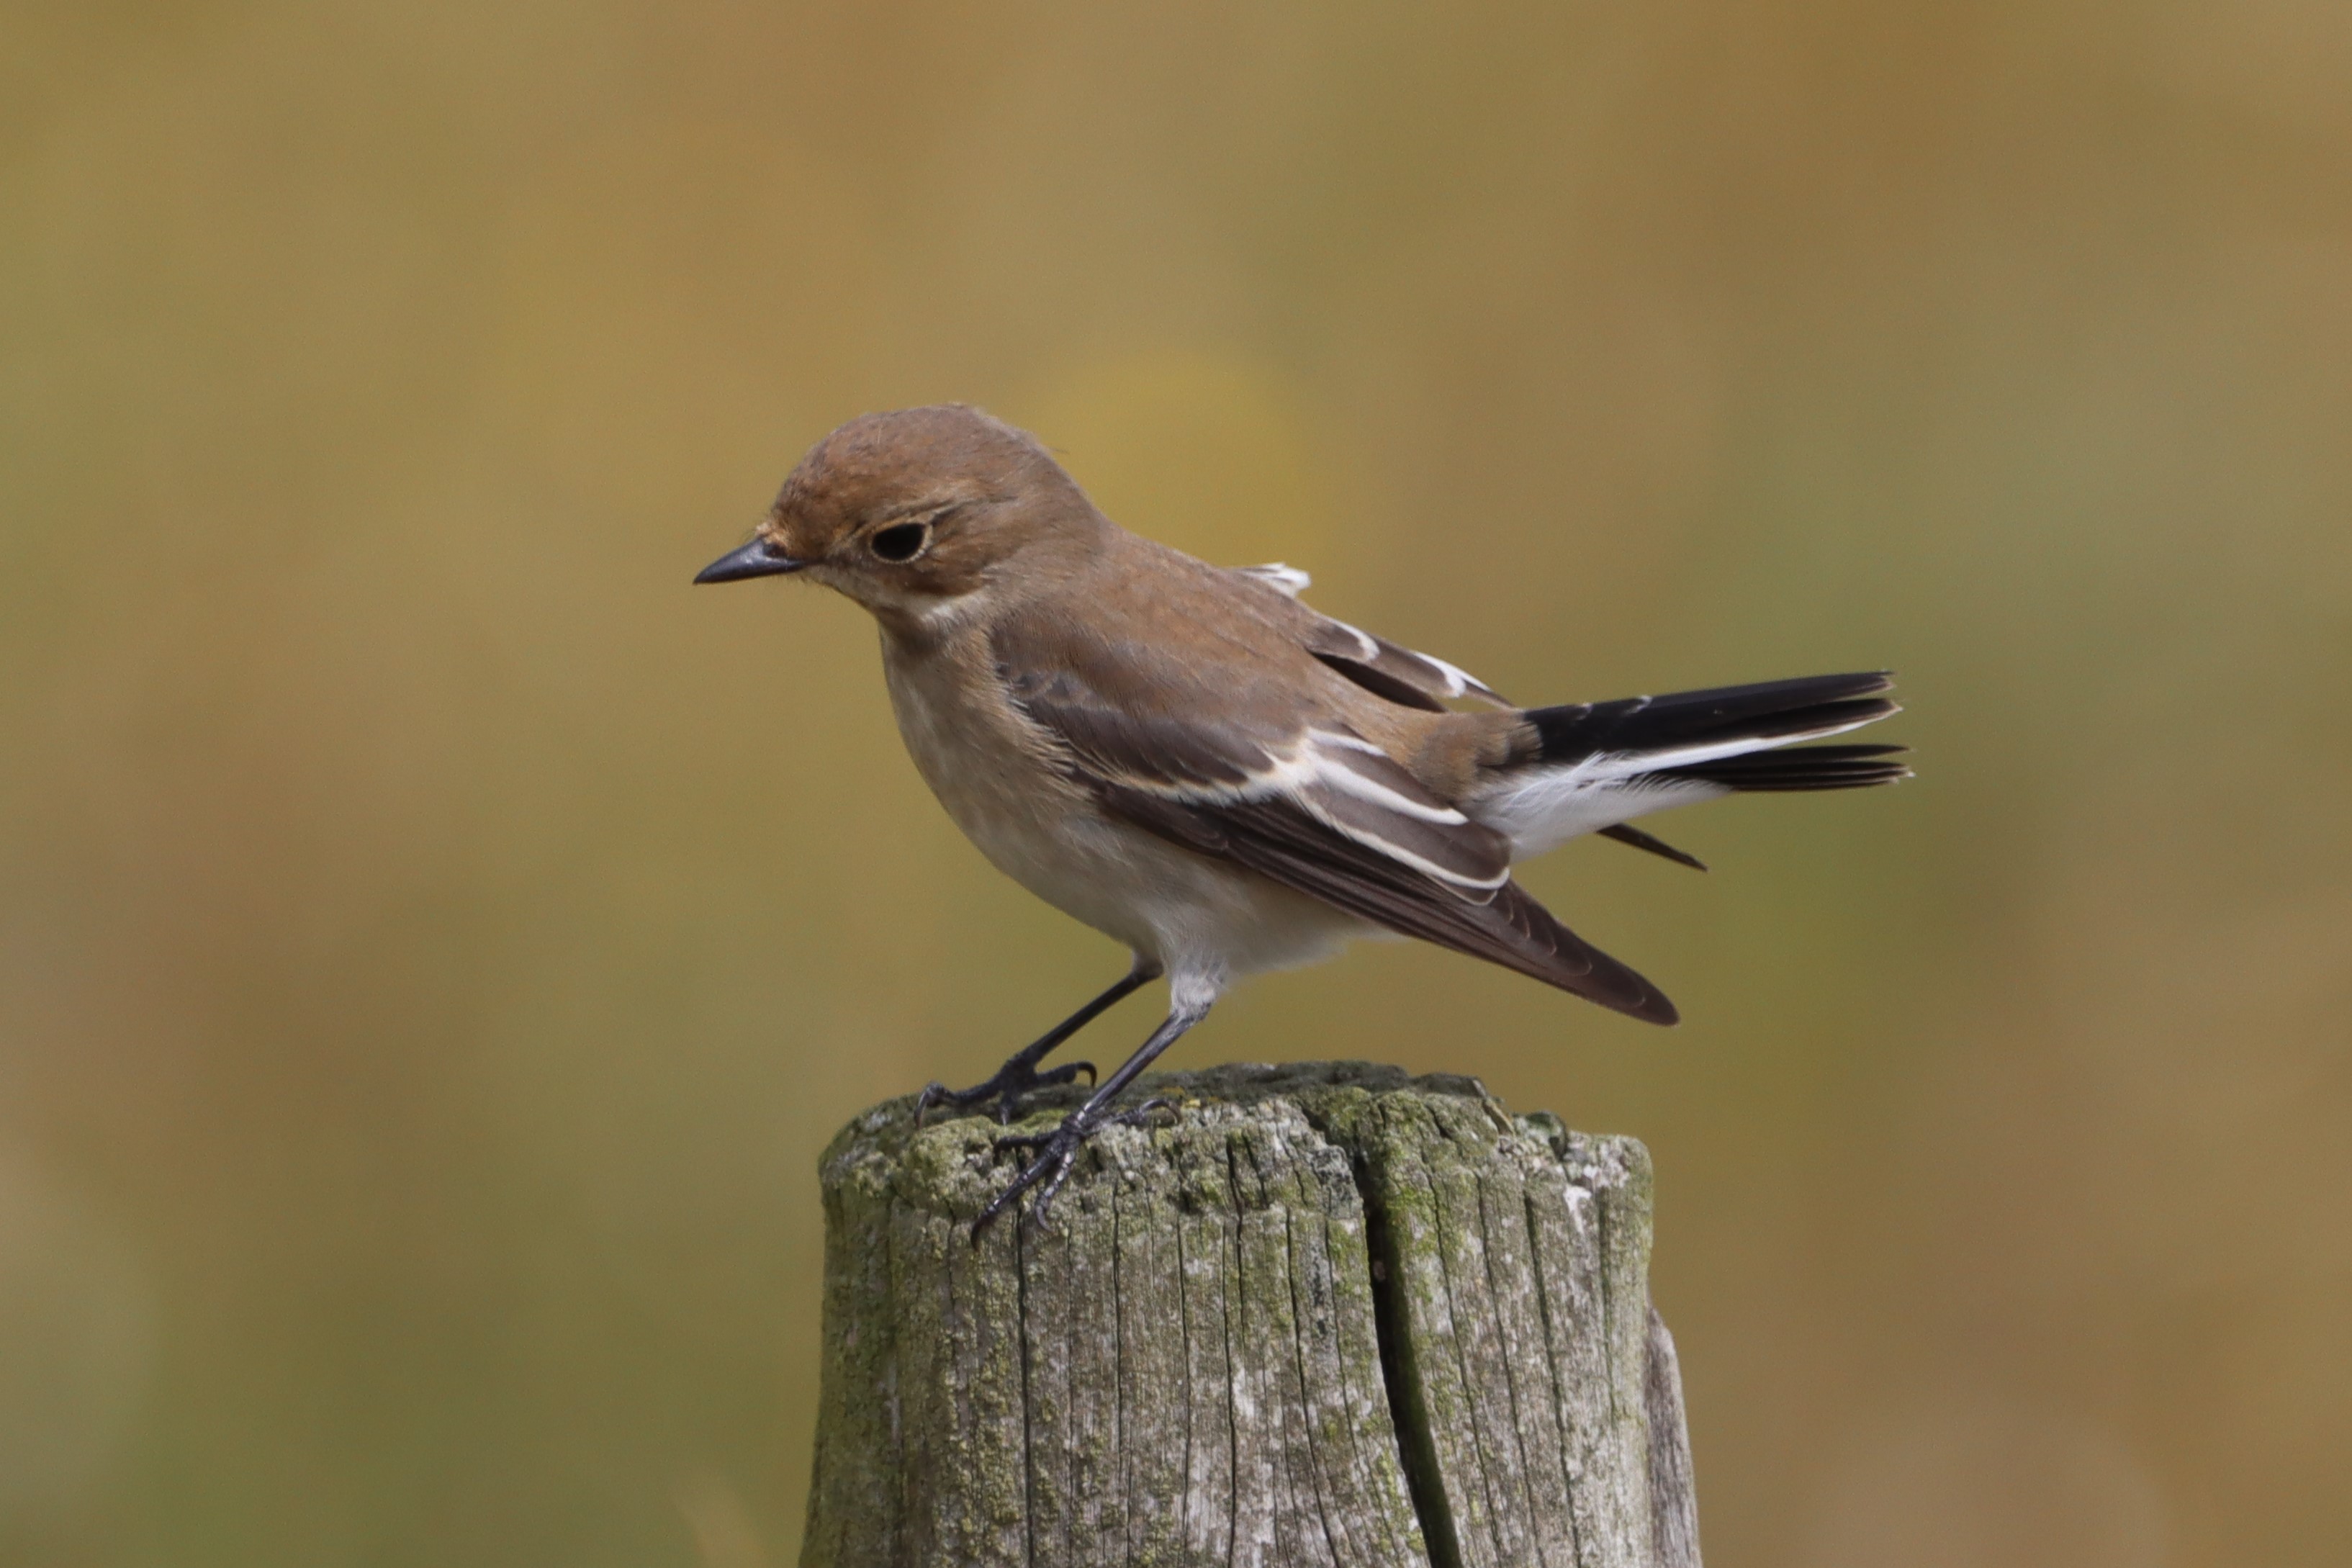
x,y
1319,1314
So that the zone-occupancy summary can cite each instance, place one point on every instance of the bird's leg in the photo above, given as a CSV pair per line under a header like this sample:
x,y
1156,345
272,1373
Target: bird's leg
x,y
1057,1151
1019,1075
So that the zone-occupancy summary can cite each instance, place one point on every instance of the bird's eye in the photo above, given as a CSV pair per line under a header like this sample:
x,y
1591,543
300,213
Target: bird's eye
x,y
901,542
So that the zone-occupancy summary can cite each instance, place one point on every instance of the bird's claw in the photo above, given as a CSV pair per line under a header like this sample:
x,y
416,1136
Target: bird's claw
x,y
1009,1084
1057,1156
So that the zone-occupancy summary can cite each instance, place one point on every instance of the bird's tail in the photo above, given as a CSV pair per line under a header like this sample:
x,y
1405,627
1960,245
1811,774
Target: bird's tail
x,y
1597,765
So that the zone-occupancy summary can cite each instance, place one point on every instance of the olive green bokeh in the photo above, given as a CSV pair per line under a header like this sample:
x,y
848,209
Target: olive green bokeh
x,y
435,943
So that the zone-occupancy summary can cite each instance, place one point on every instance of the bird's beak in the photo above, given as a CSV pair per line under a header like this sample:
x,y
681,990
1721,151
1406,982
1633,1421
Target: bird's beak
x,y
757,559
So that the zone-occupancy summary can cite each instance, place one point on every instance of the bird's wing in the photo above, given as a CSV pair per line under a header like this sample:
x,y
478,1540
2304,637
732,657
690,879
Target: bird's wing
x,y
1231,771
1378,666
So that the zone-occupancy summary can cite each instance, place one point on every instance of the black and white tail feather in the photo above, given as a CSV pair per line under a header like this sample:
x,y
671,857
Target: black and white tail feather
x,y
1601,764
1598,765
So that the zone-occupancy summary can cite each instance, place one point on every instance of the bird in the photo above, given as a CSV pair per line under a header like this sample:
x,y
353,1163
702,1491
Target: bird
x,y
1192,760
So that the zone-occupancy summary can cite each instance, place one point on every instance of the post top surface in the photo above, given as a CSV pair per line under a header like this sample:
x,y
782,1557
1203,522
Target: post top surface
x,y
1347,1110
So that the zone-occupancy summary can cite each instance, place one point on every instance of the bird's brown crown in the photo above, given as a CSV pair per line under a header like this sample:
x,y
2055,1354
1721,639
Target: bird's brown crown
x,y
905,510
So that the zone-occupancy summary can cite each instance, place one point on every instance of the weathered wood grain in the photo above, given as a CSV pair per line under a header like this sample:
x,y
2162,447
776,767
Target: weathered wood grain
x,y
1320,1314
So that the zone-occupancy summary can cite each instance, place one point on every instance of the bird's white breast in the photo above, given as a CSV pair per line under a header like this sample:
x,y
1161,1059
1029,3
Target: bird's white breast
x,y
1204,919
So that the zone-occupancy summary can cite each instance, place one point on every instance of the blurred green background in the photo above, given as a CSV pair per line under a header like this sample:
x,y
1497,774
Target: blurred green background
x,y
435,943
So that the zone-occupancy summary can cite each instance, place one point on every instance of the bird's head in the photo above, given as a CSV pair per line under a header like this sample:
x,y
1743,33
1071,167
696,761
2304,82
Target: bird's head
x,y
914,511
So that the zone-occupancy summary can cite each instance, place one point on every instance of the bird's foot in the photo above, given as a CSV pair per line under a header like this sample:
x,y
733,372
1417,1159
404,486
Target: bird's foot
x,y
1057,1153
1014,1079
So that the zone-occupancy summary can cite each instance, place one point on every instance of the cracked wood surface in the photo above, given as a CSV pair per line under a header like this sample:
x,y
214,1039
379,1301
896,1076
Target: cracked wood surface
x,y
1318,1314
